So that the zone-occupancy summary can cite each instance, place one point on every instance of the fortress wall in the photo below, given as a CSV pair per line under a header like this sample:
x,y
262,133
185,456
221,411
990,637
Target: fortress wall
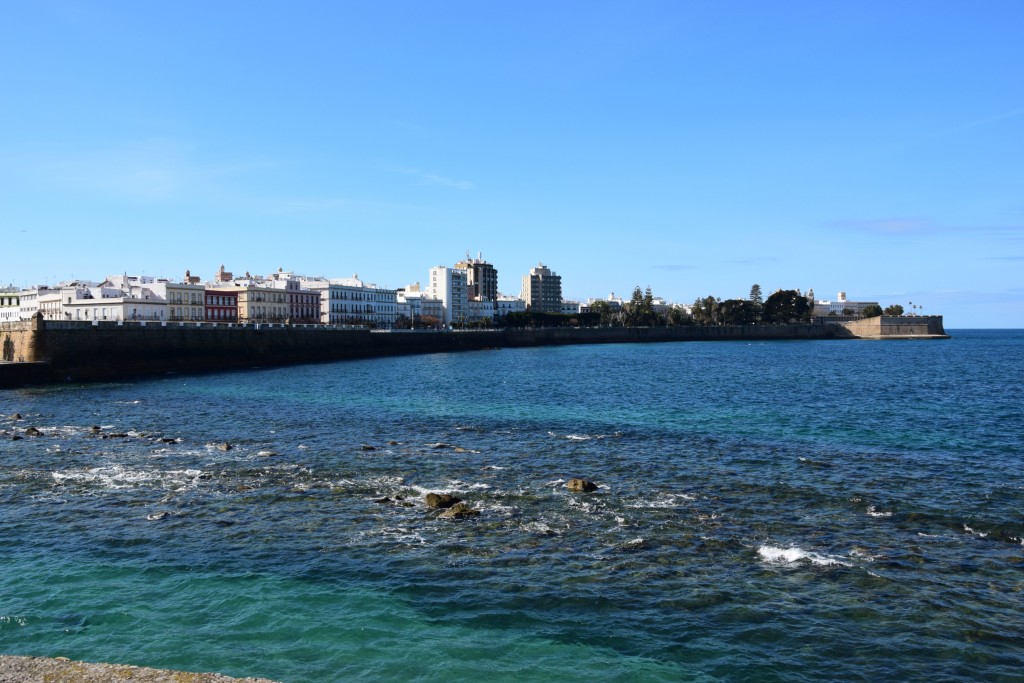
x,y
885,326
17,342
84,351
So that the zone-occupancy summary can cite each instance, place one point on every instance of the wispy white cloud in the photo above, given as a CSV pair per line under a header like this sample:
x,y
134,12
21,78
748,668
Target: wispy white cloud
x,y
914,226
156,170
756,260
433,178
888,226
978,123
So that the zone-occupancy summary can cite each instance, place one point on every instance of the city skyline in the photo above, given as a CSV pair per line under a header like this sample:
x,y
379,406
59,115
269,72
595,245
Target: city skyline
x,y
693,148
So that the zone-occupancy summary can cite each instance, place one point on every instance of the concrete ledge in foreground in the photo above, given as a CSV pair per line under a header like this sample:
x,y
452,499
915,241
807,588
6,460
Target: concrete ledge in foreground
x,y
46,670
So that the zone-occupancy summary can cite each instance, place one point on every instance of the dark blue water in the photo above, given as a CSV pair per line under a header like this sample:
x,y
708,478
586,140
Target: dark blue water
x,y
774,511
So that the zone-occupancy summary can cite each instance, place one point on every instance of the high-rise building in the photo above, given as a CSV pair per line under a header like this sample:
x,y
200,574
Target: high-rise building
x,y
449,285
542,290
481,279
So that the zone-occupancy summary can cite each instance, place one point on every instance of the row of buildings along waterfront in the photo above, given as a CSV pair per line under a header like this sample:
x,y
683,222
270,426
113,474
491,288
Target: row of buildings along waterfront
x,y
464,294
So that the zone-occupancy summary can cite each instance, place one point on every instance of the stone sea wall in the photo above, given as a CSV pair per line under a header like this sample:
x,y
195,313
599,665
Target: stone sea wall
x,y
58,351
898,327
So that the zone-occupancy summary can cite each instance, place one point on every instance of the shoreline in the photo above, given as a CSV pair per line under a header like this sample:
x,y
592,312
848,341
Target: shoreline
x,y
27,669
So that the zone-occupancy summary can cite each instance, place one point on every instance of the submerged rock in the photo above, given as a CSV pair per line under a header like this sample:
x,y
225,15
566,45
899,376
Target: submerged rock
x,y
25,669
157,516
225,446
367,447
441,500
578,485
459,511
32,431
17,416
267,454
95,429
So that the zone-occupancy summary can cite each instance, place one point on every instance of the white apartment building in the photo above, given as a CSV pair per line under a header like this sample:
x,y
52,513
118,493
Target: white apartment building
x,y
570,307
350,301
10,305
480,311
418,306
109,301
450,286
510,304
46,299
823,308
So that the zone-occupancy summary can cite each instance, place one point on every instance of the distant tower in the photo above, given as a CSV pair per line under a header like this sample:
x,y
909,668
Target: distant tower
x,y
542,290
481,278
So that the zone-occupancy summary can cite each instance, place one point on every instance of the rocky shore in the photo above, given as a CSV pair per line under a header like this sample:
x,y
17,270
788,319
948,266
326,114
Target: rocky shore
x,y
60,670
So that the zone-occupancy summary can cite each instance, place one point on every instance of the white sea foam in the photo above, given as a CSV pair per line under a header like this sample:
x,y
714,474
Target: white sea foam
x,y
402,534
979,534
878,513
119,477
577,437
665,500
498,508
792,555
582,505
862,554
540,528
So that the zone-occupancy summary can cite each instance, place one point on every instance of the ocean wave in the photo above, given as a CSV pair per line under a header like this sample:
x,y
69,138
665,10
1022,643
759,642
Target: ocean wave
x,y
771,554
979,534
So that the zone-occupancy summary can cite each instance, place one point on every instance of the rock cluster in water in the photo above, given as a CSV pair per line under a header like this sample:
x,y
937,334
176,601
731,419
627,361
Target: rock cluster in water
x,y
579,485
441,500
453,507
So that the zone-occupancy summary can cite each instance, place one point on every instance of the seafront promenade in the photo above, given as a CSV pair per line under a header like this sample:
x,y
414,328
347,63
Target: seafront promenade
x,y
41,351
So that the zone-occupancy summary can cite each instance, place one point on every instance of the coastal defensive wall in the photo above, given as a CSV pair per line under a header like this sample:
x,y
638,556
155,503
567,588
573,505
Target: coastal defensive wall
x,y
44,351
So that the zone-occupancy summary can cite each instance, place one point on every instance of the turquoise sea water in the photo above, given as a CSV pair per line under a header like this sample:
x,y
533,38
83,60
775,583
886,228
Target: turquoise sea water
x,y
773,511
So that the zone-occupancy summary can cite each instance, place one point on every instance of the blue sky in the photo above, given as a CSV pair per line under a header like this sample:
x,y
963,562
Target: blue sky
x,y
693,147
